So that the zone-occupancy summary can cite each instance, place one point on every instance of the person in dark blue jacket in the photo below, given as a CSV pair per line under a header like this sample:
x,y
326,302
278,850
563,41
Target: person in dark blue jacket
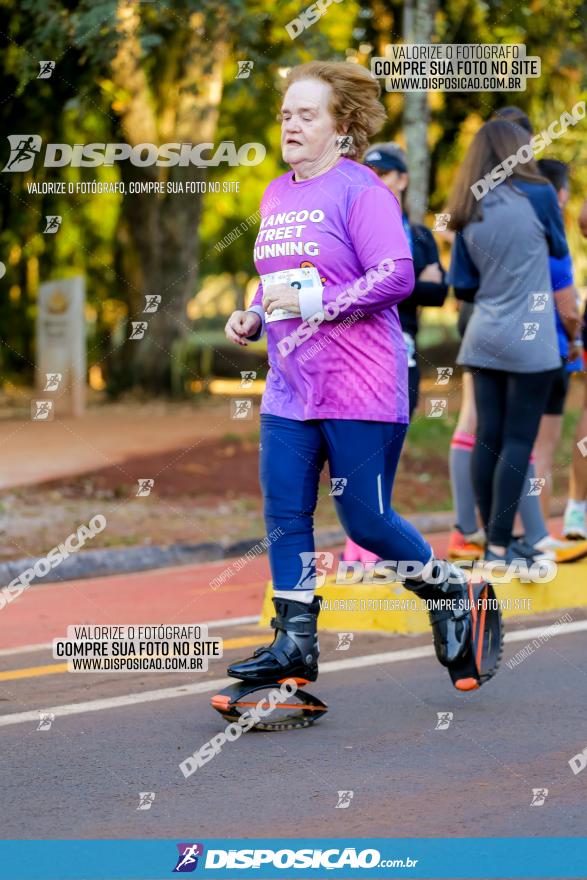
x,y
389,162
568,326
575,521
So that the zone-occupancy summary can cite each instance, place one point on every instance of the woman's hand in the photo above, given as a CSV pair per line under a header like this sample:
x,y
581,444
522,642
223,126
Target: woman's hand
x,y
575,350
282,296
431,272
241,325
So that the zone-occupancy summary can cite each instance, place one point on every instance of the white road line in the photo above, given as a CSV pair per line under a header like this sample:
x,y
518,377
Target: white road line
x,y
126,700
219,683
26,649
48,646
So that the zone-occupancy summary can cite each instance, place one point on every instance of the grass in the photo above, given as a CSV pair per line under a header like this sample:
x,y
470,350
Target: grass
x,y
231,437
430,436
570,421
38,517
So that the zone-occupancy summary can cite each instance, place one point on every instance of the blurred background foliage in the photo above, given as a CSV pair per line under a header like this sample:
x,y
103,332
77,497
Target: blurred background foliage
x,y
168,70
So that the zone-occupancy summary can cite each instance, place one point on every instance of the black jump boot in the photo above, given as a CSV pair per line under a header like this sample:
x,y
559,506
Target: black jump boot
x,y
466,624
294,651
291,661
447,599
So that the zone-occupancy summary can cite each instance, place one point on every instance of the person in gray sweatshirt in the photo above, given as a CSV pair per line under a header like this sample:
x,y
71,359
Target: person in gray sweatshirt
x,y
506,231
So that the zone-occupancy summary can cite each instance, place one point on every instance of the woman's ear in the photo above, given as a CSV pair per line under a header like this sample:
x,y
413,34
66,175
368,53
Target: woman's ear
x,y
403,182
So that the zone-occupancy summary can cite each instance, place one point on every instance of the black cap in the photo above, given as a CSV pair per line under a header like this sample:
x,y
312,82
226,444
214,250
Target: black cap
x,y
386,157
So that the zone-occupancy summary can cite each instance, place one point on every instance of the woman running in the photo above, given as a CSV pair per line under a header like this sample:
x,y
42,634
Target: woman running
x,y
337,388
467,541
500,261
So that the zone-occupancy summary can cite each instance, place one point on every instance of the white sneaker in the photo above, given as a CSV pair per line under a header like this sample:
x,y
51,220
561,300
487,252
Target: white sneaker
x,y
574,522
564,551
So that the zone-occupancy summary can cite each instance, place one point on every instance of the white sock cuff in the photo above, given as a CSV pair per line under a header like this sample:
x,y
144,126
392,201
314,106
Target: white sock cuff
x,y
295,595
420,574
577,505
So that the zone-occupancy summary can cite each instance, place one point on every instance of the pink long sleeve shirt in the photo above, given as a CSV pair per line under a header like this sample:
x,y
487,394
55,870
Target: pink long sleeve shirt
x,y
352,362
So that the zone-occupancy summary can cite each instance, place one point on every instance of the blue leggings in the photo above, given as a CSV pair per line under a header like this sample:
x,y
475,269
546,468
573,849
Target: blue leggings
x,y
365,455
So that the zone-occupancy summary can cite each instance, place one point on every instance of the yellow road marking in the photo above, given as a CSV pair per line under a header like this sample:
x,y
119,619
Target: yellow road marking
x,y
56,668
33,671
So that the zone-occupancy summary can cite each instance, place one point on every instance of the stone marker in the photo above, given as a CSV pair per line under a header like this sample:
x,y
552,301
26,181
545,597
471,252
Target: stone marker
x,y
61,349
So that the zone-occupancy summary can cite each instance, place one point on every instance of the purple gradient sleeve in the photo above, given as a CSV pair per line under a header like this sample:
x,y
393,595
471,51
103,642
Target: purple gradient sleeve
x,y
256,306
376,231
383,294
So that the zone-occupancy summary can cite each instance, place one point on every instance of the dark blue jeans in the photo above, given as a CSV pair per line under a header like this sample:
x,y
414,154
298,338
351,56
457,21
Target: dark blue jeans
x,y
362,458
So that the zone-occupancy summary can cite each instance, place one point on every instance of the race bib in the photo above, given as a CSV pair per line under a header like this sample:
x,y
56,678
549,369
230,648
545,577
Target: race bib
x,y
306,279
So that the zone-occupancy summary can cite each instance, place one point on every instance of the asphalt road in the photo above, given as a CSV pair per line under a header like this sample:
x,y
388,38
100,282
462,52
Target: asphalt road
x,y
82,777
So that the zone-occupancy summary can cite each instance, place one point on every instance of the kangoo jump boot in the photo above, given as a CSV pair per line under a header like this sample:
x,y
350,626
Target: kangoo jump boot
x,y
446,595
466,623
287,664
294,651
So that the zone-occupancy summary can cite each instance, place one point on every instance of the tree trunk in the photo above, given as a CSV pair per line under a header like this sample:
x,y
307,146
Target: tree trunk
x,y
418,28
162,230
163,261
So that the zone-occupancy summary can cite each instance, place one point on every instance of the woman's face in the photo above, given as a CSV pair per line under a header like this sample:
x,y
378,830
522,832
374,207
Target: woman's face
x,y
397,181
308,130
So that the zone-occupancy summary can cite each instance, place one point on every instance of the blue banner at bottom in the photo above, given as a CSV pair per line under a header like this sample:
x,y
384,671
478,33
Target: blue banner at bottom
x,y
505,857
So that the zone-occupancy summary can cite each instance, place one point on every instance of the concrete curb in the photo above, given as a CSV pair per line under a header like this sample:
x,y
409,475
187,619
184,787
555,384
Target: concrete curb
x,y
390,608
126,560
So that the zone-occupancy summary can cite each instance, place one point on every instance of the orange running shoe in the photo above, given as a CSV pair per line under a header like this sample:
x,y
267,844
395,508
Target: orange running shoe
x,y
466,546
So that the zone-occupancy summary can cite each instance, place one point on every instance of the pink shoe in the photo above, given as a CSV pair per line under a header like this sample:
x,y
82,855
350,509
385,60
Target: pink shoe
x,y
353,553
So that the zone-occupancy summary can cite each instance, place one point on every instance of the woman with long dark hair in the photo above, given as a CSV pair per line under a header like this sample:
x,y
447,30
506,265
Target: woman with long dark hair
x,y
506,231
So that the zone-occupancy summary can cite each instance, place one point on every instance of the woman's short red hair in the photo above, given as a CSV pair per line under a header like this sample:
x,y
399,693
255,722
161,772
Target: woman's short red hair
x,y
354,103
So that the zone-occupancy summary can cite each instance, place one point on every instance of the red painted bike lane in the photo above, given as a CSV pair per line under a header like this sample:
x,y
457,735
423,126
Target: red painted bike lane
x,y
170,595
165,595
